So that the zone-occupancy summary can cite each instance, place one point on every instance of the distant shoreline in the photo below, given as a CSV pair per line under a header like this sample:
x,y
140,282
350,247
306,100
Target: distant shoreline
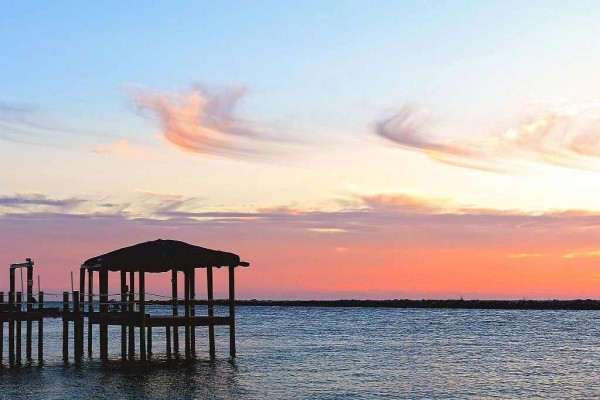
x,y
404,303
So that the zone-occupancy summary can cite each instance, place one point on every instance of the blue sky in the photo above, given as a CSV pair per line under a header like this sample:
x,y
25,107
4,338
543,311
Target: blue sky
x,y
302,60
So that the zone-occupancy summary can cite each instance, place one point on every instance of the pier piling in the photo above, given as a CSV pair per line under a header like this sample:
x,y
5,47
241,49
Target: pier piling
x,y
41,327
65,327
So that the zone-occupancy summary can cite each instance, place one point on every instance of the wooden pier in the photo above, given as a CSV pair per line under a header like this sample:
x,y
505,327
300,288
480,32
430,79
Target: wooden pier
x,y
83,309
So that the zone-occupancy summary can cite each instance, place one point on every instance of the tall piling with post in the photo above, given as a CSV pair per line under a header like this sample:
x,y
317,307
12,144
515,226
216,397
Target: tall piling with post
x,y
122,310
232,311
1,330
193,311
186,304
19,320
11,326
77,327
174,295
131,316
11,322
65,321
41,327
211,312
90,309
29,309
81,310
142,277
103,311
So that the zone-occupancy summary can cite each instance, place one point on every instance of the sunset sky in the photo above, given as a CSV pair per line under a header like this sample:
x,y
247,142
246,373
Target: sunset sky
x,y
346,149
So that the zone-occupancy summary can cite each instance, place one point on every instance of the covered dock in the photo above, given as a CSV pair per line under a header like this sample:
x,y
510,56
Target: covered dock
x,y
157,257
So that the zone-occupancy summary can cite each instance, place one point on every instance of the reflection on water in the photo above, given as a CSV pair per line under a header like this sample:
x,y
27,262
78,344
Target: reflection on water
x,y
346,353
115,381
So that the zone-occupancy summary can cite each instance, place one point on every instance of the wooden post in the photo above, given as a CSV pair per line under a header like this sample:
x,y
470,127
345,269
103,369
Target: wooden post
x,y
80,310
41,327
123,312
186,287
142,277
29,310
193,311
103,312
1,331
11,324
19,326
76,326
175,311
211,311
90,309
131,311
65,327
232,311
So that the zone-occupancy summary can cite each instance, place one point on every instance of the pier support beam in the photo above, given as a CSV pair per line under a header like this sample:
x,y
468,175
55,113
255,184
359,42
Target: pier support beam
x,y
142,296
77,327
211,311
186,286
19,327
1,331
103,309
193,311
41,328
90,309
175,311
131,328
123,310
232,311
11,322
65,349
29,309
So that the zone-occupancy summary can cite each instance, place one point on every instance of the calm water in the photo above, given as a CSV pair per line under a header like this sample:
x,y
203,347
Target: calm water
x,y
360,353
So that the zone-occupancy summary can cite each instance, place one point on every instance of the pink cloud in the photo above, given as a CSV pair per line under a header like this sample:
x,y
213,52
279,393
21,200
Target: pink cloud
x,y
205,121
562,136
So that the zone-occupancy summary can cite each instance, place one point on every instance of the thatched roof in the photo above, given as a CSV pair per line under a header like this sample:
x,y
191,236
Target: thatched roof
x,y
162,256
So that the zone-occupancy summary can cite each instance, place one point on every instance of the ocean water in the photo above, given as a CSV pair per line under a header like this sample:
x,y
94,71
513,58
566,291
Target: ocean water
x,y
336,353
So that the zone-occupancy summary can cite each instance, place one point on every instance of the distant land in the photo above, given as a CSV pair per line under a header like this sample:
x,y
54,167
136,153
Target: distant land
x,y
587,304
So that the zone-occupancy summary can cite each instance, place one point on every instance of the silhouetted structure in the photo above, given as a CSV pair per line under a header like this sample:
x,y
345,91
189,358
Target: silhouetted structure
x,y
14,315
159,256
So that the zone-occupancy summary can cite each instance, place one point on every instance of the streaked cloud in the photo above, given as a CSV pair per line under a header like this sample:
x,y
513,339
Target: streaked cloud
x,y
406,201
566,135
582,254
29,200
327,230
23,123
205,121
525,255
126,149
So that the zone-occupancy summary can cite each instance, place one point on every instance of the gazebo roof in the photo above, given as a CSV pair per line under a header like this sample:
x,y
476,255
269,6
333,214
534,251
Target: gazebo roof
x,y
162,256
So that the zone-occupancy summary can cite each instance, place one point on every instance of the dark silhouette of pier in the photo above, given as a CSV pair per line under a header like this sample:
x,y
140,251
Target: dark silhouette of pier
x,y
79,307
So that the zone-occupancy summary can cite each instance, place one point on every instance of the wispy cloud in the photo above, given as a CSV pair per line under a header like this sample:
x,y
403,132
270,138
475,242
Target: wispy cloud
x,y
25,124
565,135
525,255
327,230
29,200
35,125
126,149
582,254
205,121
